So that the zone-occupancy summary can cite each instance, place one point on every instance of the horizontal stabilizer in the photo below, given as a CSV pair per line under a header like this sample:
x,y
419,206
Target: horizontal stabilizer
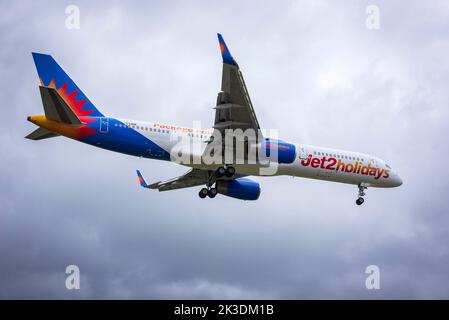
x,y
40,134
56,108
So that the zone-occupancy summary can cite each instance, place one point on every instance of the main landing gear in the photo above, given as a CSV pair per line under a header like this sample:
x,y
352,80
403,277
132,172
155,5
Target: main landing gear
x,y
227,171
210,191
360,199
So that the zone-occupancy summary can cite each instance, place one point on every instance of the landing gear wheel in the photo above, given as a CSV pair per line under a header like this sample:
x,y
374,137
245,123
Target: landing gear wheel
x,y
359,201
230,171
221,171
362,188
212,192
203,193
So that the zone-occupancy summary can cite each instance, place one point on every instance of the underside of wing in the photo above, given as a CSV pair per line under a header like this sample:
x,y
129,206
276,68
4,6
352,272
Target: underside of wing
x,y
234,109
192,178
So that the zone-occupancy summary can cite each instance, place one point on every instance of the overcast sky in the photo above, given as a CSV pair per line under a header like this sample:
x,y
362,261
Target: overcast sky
x,y
314,71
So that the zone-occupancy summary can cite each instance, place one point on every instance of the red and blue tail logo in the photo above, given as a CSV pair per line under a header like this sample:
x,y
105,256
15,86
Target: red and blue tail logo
x,y
52,75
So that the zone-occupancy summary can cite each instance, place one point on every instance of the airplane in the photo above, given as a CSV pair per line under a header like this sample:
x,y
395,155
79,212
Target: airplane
x,y
69,113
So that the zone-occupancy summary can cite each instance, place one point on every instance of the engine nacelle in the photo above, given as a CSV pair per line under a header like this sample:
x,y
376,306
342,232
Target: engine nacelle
x,y
279,151
243,189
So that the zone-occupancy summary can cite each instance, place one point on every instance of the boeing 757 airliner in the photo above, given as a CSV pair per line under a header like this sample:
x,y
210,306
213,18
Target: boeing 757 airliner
x,y
220,158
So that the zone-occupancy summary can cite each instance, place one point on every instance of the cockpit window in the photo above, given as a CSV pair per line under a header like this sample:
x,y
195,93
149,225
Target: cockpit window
x,y
386,165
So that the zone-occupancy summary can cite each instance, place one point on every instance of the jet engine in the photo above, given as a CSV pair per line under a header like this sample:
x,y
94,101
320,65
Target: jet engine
x,y
279,151
241,188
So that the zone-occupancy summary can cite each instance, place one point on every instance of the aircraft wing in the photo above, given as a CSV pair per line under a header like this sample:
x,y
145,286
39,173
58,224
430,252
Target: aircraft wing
x,y
234,109
192,178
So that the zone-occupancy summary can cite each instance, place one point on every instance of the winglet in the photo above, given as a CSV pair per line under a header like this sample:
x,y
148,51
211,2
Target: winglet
x,y
141,179
225,53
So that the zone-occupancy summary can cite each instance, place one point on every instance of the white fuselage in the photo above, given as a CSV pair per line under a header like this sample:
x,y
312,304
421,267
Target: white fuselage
x,y
309,162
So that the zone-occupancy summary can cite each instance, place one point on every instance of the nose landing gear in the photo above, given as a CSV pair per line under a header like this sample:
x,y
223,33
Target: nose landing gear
x,y
360,199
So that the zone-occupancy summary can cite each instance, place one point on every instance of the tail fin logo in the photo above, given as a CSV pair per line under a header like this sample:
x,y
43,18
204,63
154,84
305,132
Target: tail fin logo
x,y
52,75
70,99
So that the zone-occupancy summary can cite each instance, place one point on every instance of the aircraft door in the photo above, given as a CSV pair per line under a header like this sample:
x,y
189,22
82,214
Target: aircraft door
x,y
302,153
104,125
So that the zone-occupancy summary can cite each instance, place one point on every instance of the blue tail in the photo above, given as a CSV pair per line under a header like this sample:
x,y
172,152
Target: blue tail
x,y
52,75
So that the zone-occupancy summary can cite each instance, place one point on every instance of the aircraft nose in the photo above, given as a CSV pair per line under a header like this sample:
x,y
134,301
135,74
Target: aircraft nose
x,y
397,181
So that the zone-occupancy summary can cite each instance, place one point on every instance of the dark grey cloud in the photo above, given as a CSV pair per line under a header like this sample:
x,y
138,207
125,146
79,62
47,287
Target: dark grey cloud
x,y
313,70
